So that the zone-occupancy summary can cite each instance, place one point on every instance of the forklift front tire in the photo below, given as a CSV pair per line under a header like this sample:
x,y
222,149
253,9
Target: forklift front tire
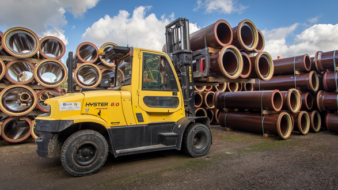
x,y
197,140
84,153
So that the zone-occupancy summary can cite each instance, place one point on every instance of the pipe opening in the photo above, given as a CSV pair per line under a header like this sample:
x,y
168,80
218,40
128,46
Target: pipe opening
x,y
107,60
44,95
247,35
314,81
210,115
200,88
20,72
307,62
293,100
210,100
309,101
87,75
317,121
230,61
260,44
50,72
88,52
16,129
304,122
248,87
24,97
217,115
277,100
284,125
21,42
208,88
12,102
221,86
224,33
246,65
52,48
233,87
264,66
201,113
198,100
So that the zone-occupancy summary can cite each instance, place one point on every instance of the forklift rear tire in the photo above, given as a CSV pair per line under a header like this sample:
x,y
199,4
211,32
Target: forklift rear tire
x,y
84,152
197,140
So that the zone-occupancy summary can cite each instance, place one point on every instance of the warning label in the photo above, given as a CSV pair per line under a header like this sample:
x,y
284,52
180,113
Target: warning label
x,y
70,106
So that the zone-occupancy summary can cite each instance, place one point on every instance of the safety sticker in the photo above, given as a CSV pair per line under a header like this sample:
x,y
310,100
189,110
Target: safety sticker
x,y
70,106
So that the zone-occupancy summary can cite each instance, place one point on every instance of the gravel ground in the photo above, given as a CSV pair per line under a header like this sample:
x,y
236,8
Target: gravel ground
x,y
237,160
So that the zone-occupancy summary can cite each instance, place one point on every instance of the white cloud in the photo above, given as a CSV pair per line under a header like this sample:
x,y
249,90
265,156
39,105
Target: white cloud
x,y
313,20
145,31
220,6
41,16
319,37
57,33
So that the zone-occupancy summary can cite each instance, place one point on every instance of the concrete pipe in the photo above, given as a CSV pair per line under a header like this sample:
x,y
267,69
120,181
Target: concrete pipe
x,y
315,60
315,121
200,88
327,101
263,66
52,48
301,63
227,63
3,69
308,81
278,124
266,100
208,88
210,115
43,95
201,112
21,42
325,60
16,129
233,86
245,35
216,113
331,121
86,52
291,100
302,122
198,99
20,72
107,61
247,66
110,74
221,86
248,86
307,101
216,35
17,100
330,81
240,87
87,75
208,99
50,73
261,42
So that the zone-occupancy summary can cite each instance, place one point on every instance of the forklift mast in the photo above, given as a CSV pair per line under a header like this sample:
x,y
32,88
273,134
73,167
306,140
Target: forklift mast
x,y
178,49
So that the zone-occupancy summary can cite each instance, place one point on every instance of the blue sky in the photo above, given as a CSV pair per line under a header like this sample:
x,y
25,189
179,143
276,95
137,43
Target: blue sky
x,y
291,27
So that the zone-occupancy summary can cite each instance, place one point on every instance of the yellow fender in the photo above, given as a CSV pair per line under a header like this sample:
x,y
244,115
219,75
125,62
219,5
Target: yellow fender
x,y
87,118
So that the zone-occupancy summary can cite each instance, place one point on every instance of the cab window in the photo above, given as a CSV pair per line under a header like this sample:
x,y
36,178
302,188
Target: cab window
x,y
157,74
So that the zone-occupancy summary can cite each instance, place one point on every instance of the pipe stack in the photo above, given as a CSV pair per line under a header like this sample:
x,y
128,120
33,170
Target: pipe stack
x,y
30,73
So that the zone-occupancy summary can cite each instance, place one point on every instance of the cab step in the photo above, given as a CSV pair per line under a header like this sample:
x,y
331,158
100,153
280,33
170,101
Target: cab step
x,y
170,134
144,149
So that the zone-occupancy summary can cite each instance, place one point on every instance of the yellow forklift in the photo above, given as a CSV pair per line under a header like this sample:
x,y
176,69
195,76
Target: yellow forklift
x,y
151,109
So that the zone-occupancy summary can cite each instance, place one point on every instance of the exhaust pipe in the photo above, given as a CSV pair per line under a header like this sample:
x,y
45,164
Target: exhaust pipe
x,y
200,89
324,60
210,115
247,66
301,63
261,42
17,100
52,48
266,100
332,122
47,68
327,101
20,42
245,35
201,112
263,66
308,81
208,99
86,52
16,129
292,100
43,95
233,86
221,86
248,87
20,72
302,122
307,101
87,75
315,121
278,124
330,79
227,63
215,35
198,99
106,61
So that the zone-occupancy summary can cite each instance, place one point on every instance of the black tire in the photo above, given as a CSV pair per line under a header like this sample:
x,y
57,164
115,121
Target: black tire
x,y
197,140
84,152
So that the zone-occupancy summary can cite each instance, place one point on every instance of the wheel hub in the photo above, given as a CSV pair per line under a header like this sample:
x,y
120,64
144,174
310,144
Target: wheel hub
x,y
86,154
